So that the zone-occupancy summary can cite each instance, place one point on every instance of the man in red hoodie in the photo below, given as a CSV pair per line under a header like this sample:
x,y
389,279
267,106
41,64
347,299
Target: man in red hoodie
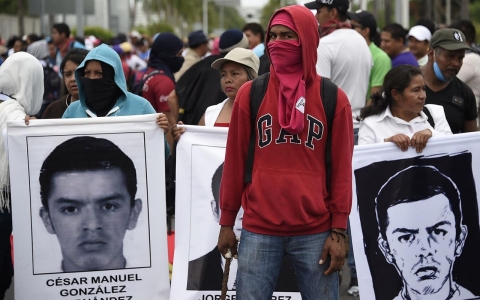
x,y
287,208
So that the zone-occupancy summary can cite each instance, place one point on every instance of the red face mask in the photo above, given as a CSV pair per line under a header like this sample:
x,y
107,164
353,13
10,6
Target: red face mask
x,y
286,57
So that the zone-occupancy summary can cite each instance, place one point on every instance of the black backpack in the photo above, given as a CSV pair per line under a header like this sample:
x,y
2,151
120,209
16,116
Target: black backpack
x,y
137,88
429,115
328,94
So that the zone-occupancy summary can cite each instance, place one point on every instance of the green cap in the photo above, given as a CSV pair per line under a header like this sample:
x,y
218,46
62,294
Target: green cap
x,y
449,39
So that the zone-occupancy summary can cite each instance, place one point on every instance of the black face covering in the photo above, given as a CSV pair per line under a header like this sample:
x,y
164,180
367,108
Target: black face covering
x,y
101,93
175,63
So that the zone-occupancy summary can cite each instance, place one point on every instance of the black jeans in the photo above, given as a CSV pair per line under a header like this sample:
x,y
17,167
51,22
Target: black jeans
x,y
6,265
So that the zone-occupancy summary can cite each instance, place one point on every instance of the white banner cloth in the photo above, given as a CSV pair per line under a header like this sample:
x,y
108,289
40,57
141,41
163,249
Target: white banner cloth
x,y
415,220
98,238
198,265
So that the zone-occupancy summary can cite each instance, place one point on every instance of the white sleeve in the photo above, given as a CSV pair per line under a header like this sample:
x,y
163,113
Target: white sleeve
x,y
366,135
467,72
441,125
138,62
324,61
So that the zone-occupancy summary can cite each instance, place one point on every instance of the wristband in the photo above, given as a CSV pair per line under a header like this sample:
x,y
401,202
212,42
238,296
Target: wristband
x,y
339,234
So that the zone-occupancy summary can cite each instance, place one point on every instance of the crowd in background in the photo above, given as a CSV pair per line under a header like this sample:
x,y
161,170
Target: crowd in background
x,y
184,80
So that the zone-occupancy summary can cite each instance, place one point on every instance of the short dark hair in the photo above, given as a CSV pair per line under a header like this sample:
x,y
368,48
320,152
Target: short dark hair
x,y
24,43
62,28
77,55
86,153
141,42
198,45
255,28
468,29
216,182
412,184
399,79
33,37
342,15
397,31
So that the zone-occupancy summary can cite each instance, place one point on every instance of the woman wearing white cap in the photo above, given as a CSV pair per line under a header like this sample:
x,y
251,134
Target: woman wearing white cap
x,y
237,67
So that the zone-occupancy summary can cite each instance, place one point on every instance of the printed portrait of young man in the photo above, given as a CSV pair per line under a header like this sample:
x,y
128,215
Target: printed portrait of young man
x,y
88,191
419,233
423,248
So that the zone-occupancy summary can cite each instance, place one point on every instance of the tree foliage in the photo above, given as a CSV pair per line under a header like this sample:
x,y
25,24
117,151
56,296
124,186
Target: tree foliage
x,y
154,28
97,31
268,11
183,14
10,7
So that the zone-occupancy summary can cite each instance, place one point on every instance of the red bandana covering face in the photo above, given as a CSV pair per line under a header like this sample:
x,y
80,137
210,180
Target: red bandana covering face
x,y
331,26
286,57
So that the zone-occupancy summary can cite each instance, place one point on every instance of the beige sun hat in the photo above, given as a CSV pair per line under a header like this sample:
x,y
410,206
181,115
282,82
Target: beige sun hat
x,y
242,56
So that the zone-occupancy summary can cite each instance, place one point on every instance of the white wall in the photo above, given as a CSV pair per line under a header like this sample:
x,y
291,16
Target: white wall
x,y
9,25
119,9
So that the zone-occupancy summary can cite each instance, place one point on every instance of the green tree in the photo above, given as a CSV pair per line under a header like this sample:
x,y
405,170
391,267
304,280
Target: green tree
x,y
268,10
180,12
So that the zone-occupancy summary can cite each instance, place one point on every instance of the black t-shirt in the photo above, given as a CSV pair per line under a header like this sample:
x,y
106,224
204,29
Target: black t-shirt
x,y
458,101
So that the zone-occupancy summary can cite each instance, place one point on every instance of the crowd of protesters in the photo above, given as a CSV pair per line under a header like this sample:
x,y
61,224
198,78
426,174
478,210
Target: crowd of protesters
x,y
395,85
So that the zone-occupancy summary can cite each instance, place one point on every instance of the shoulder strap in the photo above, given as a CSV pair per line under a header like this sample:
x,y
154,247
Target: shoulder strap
x,y
257,92
429,115
328,93
151,74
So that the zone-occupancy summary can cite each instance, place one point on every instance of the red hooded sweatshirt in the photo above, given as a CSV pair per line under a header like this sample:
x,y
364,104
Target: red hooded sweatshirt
x,y
288,194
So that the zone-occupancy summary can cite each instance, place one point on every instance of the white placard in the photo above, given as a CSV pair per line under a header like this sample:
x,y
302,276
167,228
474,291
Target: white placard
x,y
198,266
415,220
81,229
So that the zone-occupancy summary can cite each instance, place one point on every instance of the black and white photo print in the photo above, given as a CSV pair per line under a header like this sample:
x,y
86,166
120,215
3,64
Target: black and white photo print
x,y
420,224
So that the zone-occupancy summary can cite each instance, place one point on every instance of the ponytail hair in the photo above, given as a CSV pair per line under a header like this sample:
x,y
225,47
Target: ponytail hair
x,y
398,79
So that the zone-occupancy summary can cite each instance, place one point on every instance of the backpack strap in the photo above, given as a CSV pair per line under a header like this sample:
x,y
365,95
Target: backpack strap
x,y
151,74
328,93
257,93
430,120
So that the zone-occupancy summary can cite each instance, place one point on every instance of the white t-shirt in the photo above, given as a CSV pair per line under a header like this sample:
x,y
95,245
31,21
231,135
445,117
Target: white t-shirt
x,y
423,61
344,57
470,73
375,129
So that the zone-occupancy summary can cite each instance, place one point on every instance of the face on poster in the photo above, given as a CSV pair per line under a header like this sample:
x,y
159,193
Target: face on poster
x,y
199,266
418,226
207,170
89,203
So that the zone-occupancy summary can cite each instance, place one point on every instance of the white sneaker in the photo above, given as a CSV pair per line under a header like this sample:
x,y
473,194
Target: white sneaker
x,y
354,291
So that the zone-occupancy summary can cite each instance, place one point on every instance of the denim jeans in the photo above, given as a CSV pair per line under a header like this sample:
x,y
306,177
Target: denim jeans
x,y
260,259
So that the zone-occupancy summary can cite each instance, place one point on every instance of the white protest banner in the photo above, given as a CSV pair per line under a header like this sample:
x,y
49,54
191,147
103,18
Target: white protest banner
x,y
415,221
88,202
198,265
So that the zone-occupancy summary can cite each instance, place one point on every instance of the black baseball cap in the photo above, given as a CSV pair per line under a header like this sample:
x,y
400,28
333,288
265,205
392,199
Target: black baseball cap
x,y
365,18
340,5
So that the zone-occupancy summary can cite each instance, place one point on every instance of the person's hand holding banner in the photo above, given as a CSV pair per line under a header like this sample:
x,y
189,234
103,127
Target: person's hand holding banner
x,y
420,138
